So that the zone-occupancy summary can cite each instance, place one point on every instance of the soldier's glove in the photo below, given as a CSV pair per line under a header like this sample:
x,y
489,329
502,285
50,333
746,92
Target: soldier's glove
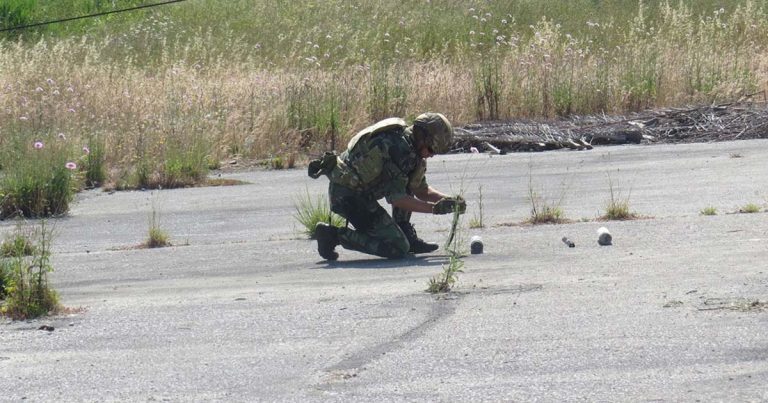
x,y
322,166
448,205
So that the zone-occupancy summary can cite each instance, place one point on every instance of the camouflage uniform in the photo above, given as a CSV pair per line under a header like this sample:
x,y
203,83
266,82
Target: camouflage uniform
x,y
380,162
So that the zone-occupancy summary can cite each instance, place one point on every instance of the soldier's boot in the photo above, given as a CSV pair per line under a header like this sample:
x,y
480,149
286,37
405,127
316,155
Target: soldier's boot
x,y
327,239
417,244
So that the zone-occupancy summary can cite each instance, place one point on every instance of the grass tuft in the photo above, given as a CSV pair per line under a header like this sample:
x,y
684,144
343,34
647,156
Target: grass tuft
x,y
750,208
544,210
157,237
310,211
617,207
708,211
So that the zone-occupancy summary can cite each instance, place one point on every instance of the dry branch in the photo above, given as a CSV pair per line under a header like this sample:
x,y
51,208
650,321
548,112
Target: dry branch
x,y
725,122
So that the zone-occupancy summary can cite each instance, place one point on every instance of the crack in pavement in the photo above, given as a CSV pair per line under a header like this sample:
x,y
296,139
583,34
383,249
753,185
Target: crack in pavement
x,y
441,308
444,306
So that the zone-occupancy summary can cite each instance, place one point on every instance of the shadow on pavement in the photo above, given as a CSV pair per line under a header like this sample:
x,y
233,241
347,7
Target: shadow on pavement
x,y
382,263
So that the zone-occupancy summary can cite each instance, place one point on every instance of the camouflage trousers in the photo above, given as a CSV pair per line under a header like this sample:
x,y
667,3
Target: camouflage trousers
x,y
375,232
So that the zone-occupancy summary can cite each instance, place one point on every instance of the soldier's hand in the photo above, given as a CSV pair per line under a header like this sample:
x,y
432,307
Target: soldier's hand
x,y
448,205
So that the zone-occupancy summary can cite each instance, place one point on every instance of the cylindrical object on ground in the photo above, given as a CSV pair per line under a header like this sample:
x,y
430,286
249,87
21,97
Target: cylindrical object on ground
x,y
569,242
604,237
476,245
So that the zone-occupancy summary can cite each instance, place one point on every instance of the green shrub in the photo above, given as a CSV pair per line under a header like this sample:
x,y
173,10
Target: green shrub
x,y
24,277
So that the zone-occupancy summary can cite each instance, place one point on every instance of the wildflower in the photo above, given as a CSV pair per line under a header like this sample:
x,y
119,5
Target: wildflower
x,y
86,150
61,136
39,89
70,110
49,81
38,145
70,165
23,118
503,21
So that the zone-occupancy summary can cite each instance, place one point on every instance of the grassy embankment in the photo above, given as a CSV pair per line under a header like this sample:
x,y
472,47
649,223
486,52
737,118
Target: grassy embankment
x,y
163,94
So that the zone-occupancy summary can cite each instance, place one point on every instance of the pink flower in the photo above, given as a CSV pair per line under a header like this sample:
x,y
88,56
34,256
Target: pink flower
x,y
86,150
38,145
71,166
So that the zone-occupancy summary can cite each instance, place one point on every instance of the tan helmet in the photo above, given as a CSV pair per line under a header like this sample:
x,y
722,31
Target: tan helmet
x,y
436,131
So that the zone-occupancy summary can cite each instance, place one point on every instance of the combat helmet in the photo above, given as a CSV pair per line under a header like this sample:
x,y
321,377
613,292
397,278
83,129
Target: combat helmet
x,y
434,130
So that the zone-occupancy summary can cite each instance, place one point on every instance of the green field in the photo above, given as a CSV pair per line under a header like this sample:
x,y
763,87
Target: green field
x,y
166,92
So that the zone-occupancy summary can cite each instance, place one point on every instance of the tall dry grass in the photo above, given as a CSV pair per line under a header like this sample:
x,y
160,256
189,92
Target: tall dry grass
x,y
194,106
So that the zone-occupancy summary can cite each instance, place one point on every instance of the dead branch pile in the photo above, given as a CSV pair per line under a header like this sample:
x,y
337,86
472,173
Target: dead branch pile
x,y
725,122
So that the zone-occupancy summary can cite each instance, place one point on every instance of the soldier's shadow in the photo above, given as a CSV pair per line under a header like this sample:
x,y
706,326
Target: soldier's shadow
x,y
382,263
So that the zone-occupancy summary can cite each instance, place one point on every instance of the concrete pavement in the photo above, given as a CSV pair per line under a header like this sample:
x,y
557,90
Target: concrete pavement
x,y
243,308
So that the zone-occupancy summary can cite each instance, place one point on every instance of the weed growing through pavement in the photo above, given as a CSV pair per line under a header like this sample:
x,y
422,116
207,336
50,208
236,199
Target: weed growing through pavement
x,y
750,208
617,207
708,211
24,268
444,281
455,246
158,238
477,218
19,243
310,211
544,210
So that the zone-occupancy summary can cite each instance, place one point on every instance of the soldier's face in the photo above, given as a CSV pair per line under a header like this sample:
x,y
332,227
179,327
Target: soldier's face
x,y
425,151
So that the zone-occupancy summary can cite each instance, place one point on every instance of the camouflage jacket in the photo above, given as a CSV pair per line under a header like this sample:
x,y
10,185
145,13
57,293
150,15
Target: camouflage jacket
x,y
381,161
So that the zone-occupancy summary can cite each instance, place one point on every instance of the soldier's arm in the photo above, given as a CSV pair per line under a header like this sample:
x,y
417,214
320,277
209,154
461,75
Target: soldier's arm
x,y
410,203
429,194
